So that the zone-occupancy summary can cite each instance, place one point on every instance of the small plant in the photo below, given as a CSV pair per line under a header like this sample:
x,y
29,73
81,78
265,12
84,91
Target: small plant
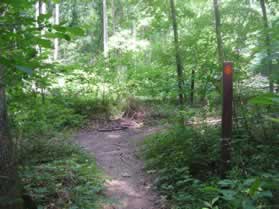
x,y
211,204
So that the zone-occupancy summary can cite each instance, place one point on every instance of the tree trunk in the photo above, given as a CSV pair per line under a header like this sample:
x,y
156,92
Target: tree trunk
x,y
192,86
40,8
105,28
179,66
37,12
74,14
113,16
268,45
43,8
56,22
220,47
43,11
9,195
193,78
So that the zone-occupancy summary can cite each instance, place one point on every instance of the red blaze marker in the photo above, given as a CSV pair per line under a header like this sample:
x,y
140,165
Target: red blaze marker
x,y
228,68
227,117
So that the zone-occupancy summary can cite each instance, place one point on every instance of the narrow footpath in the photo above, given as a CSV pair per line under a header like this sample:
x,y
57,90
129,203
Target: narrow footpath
x,y
128,186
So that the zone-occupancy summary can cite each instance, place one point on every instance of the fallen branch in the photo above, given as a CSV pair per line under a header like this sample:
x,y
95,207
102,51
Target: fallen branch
x,y
112,129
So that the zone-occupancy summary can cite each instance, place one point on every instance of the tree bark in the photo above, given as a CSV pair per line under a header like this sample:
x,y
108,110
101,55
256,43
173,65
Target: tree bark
x,y
113,16
9,195
268,45
42,11
56,22
105,28
192,86
193,78
37,12
220,47
179,66
74,14
40,8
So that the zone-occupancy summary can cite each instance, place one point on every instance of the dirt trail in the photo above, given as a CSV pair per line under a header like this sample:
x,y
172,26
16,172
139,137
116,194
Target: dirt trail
x,y
129,187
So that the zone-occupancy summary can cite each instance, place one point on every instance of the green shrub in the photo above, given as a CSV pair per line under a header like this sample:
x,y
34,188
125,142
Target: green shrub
x,y
184,146
185,161
36,120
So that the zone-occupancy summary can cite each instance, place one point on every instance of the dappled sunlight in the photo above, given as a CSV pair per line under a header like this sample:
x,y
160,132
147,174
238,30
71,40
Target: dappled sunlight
x,y
125,195
114,136
121,187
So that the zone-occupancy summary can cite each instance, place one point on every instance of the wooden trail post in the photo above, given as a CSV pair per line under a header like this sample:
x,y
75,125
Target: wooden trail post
x,y
226,118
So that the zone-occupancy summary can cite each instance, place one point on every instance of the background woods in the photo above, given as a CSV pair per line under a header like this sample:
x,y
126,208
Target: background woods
x,y
66,63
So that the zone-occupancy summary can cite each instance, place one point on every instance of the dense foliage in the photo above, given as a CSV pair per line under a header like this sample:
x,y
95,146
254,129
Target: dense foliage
x,y
186,161
64,62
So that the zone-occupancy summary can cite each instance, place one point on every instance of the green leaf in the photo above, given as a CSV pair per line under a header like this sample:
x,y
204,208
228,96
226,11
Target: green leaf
x,y
226,182
268,99
215,200
248,204
254,187
275,120
210,189
76,31
16,3
228,194
266,194
43,42
58,35
24,69
60,28
207,204
44,17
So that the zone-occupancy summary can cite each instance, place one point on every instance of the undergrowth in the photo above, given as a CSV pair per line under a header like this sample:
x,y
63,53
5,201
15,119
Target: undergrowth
x,y
68,181
54,171
186,162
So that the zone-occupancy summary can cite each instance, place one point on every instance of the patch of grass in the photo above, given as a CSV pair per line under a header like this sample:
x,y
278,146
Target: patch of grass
x,y
65,177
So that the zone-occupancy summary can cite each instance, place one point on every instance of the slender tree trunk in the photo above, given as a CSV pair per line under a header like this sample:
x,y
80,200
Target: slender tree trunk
x,y
40,8
74,14
56,22
9,195
220,47
179,66
37,12
192,86
268,45
105,28
193,79
99,47
43,11
43,8
113,16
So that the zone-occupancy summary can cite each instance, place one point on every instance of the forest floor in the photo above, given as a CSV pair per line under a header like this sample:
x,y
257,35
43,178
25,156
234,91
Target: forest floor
x,y
127,186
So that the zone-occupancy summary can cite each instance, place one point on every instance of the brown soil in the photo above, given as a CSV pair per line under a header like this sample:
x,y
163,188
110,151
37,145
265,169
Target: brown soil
x,y
116,152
